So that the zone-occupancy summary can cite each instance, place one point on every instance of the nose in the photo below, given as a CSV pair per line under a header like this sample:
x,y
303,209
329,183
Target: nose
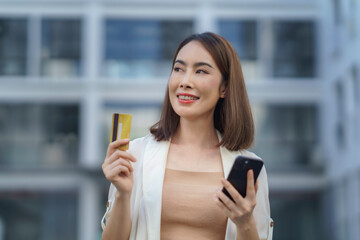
x,y
186,81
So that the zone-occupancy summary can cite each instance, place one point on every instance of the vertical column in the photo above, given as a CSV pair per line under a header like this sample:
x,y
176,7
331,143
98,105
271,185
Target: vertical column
x,y
2,229
350,124
90,125
265,45
353,209
90,142
91,103
325,72
92,36
89,212
356,83
357,208
34,46
205,20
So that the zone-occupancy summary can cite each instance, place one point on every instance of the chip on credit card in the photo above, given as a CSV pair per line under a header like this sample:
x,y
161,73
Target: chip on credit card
x,y
121,126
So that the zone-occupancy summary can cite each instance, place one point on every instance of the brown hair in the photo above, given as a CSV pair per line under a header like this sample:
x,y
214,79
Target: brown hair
x,y
232,116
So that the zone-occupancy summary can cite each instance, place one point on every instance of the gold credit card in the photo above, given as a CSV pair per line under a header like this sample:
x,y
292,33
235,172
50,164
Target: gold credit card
x,y
121,125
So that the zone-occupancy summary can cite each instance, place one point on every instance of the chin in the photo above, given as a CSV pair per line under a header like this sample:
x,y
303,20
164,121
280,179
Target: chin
x,y
185,113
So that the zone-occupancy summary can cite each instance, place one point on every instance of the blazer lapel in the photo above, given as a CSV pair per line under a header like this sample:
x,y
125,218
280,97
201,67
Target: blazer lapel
x,y
228,159
153,178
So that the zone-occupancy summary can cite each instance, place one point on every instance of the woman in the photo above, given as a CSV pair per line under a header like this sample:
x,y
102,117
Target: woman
x,y
168,184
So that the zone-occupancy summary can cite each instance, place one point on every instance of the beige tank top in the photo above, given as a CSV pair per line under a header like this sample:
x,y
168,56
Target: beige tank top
x,y
188,207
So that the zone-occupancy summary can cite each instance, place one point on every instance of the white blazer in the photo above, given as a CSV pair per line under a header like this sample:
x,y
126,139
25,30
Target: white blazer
x,y
146,196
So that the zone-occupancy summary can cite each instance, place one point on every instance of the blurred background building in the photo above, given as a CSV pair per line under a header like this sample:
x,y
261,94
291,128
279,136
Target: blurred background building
x,y
66,66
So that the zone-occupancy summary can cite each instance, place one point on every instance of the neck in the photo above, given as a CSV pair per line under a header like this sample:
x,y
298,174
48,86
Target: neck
x,y
196,133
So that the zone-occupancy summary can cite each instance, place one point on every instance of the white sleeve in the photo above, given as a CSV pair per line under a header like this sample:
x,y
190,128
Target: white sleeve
x,y
109,205
264,223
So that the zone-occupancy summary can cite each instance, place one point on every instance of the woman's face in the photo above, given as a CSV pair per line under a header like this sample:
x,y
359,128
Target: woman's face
x,y
195,83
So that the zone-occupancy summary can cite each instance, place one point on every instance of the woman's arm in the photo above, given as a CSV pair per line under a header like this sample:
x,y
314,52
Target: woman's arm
x,y
119,171
118,226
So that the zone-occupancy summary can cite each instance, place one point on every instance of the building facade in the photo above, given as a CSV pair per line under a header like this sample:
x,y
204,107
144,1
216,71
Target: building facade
x,y
66,66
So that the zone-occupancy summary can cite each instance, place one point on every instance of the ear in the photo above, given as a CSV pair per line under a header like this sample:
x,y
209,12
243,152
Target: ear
x,y
222,90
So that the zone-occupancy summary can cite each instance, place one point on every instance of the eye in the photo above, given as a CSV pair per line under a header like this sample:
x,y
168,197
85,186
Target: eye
x,y
201,71
177,69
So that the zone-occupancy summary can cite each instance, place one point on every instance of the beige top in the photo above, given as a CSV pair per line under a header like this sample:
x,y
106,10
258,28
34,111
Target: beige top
x,y
188,208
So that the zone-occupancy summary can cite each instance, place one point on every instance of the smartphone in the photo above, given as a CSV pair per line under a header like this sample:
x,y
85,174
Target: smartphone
x,y
238,174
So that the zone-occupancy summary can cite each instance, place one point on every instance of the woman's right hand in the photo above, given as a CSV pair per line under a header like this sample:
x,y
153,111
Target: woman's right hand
x,y
117,167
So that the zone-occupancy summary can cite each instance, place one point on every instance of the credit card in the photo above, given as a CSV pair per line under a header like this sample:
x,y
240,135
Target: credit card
x,y
121,126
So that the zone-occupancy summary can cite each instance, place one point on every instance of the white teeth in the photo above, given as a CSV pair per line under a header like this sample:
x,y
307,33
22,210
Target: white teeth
x,y
187,97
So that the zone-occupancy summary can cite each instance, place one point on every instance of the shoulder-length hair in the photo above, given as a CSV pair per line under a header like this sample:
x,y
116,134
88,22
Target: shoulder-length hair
x,y
232,115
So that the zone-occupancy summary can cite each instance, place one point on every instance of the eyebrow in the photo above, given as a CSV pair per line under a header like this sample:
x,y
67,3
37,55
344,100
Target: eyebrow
x,y
198,64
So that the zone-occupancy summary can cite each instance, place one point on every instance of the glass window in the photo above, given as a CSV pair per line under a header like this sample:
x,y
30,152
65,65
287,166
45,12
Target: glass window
x,y
141,48
13,49
61,47
143,117
38,134
297,216
294,49
287,137
243,36
38,215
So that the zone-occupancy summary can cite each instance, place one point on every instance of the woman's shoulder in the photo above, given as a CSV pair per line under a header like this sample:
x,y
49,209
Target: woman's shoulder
x,y
139,144
247,153
143,140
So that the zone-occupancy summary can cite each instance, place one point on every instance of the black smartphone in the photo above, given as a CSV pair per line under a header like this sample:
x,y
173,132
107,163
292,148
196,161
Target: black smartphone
x,y
238,174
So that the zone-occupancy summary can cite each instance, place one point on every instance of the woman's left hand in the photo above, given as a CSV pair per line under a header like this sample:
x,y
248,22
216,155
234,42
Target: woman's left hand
x,y
240,211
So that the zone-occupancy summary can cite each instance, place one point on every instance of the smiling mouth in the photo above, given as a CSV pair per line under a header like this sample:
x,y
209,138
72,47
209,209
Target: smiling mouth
x,y
183,97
